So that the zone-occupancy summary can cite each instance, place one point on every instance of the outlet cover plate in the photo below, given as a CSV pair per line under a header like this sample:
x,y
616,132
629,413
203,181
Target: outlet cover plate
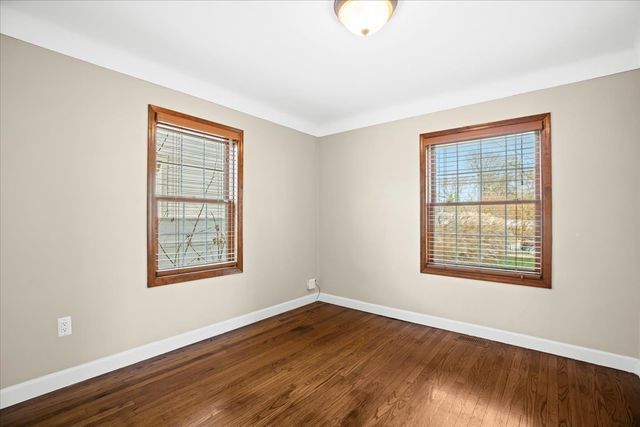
x,y
311,284
64,326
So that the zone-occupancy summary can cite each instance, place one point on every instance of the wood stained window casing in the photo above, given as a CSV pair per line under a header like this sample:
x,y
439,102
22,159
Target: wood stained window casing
x,y
541,124
232,207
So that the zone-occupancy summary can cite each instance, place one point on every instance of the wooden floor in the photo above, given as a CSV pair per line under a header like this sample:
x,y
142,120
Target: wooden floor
x,y
327,365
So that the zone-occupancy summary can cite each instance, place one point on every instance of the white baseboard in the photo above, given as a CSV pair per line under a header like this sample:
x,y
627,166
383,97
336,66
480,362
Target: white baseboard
x,y
38,386
598,357
54,381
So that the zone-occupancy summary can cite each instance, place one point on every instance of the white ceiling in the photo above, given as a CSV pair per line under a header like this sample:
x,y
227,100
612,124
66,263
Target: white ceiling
x,y
293,63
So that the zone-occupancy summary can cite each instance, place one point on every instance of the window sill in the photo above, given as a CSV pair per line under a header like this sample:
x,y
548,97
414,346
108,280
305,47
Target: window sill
x,y
511,279
162,278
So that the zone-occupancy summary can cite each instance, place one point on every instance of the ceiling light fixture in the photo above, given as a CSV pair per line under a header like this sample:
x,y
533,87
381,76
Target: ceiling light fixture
x,y
364,17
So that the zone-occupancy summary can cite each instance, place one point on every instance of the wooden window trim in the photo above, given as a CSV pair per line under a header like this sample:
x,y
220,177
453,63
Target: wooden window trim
x,y
541,122
166,277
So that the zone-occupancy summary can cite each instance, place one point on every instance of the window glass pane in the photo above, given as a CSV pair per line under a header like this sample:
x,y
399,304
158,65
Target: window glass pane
x,y
498,168
480,189
190,165
192,234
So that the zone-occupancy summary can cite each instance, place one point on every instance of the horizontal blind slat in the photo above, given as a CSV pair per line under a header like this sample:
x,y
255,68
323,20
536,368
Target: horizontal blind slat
x,y
196,188
484,203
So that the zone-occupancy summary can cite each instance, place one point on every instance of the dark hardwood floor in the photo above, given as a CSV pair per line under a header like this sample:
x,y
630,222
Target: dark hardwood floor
x,y
327,365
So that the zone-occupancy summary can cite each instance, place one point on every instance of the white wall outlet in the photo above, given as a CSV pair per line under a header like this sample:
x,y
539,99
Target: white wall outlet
x,y
312,283
64,326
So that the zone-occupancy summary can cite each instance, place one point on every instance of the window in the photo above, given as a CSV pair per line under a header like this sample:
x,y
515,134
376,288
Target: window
x,y
486,202
194,198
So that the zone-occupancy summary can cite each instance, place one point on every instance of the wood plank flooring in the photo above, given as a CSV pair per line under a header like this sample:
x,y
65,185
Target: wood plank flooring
x,y
328,365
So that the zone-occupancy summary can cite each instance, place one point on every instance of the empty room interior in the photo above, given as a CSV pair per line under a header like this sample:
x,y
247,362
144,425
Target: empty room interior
x,y
313,213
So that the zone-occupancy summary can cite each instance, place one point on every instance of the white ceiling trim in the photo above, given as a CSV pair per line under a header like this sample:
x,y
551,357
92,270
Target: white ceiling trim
x,y
32,30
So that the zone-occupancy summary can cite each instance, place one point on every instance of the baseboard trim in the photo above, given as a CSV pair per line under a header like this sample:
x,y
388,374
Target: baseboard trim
x,y
598,357
38,386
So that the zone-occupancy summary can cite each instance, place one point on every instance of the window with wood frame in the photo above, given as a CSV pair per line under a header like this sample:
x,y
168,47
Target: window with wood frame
x,y
194,179
486,201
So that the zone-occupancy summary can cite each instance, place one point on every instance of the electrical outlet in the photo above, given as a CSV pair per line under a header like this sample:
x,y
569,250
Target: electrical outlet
x,y
311,284
64,326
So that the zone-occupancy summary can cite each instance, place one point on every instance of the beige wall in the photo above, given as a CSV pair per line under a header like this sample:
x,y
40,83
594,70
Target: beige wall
x,y
73,206
73,226
369,219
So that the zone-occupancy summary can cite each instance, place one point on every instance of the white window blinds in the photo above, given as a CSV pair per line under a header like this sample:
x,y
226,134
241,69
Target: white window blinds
x,y
196,182
484,204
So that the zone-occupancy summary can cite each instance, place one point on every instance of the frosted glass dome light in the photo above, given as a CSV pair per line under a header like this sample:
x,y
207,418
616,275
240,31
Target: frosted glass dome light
x,y
364,17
